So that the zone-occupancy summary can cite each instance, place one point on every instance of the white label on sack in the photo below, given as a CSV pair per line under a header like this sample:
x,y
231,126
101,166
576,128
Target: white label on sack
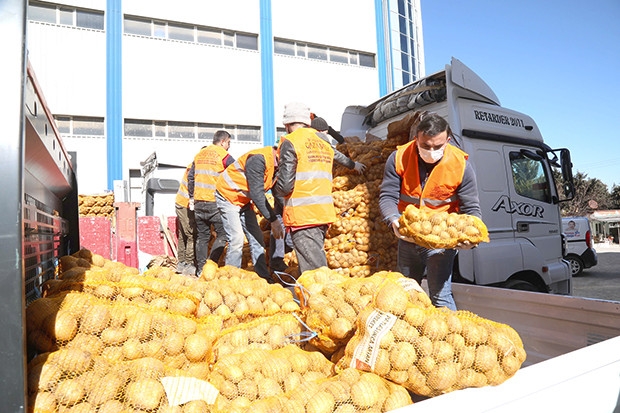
x,y
378,324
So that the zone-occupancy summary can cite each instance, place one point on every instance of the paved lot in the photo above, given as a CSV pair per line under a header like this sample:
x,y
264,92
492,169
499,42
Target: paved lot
x,y
603,280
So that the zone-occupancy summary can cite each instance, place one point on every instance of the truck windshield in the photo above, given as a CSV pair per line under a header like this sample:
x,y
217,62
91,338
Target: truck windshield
x,y
529,177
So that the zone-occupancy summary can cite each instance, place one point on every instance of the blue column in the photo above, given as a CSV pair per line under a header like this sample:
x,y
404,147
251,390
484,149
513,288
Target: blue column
x,y
380,19
266,64
114,91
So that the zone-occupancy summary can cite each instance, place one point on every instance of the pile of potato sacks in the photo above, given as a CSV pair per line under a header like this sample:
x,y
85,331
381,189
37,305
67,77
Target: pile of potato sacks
x,y
106,338
98,205
351,337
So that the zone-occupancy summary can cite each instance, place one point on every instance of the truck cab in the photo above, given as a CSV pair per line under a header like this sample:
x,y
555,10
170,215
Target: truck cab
x,y
515,169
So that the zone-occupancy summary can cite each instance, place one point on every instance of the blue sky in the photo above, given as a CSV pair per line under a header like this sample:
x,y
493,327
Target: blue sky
x,y
556,60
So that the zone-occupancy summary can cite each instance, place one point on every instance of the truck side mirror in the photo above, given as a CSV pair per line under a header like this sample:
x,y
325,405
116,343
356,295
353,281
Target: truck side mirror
x,y
567,174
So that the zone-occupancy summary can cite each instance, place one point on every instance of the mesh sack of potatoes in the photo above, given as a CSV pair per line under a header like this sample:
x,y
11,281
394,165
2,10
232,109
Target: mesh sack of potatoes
x,y
112,355
256,374
240,300
119,331
346,392
96,205
136,289
441,229
212,271
331,302
73,380
431,350
266,333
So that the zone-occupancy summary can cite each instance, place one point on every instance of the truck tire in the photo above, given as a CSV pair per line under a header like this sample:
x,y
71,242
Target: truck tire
x,y
522,285
576,265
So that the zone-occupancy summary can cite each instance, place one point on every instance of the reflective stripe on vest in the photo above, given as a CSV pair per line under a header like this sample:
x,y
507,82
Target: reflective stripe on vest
x,y
182,198
439,192
311,201
233,184
208,165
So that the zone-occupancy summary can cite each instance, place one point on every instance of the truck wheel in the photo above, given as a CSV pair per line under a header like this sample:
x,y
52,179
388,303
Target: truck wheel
x,y
521,285
576,266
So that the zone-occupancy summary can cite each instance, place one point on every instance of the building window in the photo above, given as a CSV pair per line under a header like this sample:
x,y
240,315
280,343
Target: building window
x,y
338,56
317,52
189,33
40,12
284,47
65,15
80,125
181,32
367,60
141,27
136,127
248,134
210,36
181,130
143,128
325,53
63,123
88,126
247,41
89,19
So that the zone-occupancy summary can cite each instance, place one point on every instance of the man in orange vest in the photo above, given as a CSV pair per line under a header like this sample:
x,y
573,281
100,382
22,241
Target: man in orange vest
x,y
429,173
186,227
208,164
304,183
242,185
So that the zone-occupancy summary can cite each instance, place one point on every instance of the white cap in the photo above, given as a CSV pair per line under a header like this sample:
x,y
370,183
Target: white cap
x,y
295,112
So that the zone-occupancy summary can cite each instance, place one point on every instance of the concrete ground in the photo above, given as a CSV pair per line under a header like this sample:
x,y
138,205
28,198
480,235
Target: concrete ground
x,y
603,280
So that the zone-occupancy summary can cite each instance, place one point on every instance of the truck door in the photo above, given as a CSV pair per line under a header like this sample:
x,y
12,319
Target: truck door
x,y
535,217
517,206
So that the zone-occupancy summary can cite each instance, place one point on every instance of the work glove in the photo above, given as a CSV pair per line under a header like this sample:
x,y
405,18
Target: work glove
x,y
395,225
191,204
277,228
359,167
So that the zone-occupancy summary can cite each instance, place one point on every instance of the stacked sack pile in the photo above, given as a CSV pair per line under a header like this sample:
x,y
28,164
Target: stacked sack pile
x,y
355,337
106,338
101,205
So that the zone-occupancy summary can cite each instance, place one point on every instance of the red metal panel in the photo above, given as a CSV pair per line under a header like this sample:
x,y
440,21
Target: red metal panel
x,y
150,239
126,239
96,235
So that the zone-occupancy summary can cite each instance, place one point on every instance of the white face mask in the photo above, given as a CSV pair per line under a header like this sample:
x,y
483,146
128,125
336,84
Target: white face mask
x,y
430,156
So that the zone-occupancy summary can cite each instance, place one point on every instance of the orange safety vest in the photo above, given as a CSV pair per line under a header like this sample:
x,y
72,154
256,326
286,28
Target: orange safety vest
x,y
182,198
232,184
311,201
208,165
439,192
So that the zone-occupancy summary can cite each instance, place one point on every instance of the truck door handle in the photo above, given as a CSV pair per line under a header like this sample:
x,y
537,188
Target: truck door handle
x,y
523,227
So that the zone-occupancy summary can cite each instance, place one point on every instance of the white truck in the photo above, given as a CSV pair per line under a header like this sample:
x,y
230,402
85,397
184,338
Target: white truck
x,y
514,168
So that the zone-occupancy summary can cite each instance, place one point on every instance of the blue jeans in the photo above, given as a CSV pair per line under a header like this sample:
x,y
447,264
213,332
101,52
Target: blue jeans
x,y
413,260
237,222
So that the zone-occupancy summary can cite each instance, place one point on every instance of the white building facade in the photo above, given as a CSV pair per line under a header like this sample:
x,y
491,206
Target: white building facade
x,y
126,79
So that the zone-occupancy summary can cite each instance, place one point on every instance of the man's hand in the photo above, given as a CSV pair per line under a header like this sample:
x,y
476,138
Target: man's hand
x,y
465,245
277,228
395,226
359,167
191,204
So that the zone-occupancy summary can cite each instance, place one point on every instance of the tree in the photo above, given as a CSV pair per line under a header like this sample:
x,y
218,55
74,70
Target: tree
x,y
615,197
586,191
